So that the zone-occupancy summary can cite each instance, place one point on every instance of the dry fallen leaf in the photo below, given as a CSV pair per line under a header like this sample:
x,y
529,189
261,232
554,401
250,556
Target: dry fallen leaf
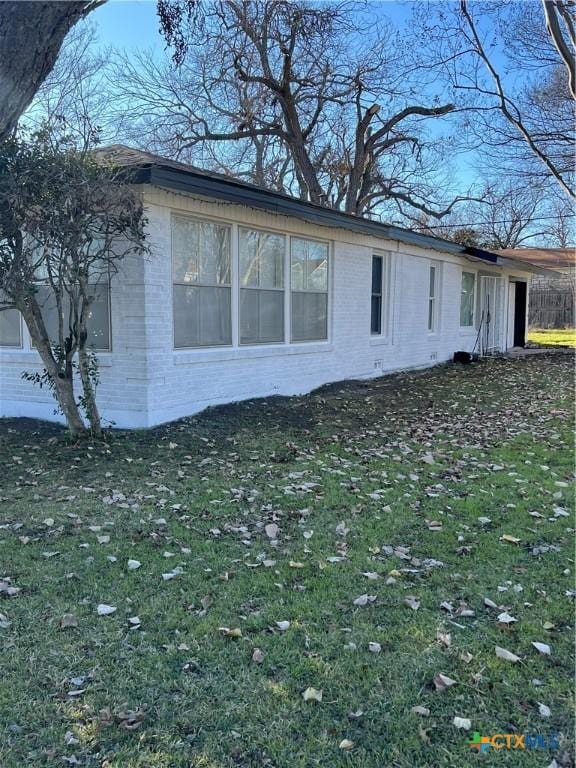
x,y
542,648
505,655
346,744
364,600
283,625
374,647
443,637
441,682
257,656
68,620
505,618
227,632
510,539
272,530
312,694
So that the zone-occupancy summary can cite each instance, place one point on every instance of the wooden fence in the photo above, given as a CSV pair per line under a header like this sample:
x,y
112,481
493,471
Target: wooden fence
x,y
551,308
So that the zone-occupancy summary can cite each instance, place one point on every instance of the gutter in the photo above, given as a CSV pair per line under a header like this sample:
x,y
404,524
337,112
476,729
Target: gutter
x,y
240,193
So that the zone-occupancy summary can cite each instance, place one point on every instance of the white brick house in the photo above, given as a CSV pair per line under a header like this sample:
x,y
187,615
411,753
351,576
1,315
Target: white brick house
x,y
249,293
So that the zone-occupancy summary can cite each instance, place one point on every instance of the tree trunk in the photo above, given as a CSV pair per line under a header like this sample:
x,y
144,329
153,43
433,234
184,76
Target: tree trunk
x,y
63,381
89,391
31,35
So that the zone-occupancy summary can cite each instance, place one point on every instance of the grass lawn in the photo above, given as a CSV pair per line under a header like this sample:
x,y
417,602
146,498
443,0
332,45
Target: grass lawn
x,y
553,337
360,541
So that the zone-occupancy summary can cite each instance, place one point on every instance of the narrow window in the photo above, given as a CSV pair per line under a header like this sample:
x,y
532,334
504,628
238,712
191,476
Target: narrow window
x,y
309,290
376,303
261,287
10,328
202,283
467,299
432,298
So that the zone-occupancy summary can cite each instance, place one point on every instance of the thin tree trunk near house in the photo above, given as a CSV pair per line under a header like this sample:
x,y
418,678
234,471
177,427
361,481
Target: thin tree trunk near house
x,y
31,35
89,392
62,380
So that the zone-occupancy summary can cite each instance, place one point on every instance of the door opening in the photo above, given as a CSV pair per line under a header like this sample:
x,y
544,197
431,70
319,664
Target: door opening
x,y
520,314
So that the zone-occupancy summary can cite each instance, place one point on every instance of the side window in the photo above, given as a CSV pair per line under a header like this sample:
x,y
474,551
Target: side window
x,y
434,297
10,328
467,293
376,298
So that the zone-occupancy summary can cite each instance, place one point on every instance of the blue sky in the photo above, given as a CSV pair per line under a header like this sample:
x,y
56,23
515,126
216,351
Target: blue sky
x,y
134,23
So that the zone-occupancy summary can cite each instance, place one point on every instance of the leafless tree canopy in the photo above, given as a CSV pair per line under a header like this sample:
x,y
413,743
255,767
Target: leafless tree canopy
x,y
317,100
511,67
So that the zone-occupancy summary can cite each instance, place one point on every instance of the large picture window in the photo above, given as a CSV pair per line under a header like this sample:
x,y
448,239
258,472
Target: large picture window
x,y
202,283
309,288
467,299
261,286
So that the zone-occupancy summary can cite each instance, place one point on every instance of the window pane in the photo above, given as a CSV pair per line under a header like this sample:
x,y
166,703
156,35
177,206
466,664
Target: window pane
x,y
261,259
376,315
309,316
376,274
200,252
98,323
10,328
432,282
430,314
467,299
309,265
202,316
261,316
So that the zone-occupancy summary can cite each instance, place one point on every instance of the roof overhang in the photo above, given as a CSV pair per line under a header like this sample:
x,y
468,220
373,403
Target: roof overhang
x,y
240,193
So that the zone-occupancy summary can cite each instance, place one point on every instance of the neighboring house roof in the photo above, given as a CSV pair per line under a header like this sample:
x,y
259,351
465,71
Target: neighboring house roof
x,y
148,168
553,258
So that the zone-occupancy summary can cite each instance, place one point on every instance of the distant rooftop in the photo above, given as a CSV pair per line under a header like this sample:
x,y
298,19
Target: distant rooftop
x,y
553,258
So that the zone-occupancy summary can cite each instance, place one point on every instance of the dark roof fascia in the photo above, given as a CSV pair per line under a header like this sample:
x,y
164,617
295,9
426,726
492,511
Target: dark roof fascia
x,y
245,194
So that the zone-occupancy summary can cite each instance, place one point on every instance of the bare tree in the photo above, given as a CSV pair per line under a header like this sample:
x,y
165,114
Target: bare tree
x,y
31,35
66,221
504,215
511,66
73,99
312,94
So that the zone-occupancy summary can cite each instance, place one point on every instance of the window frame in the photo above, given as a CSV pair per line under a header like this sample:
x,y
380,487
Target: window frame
x,y
239,288
236,346
233,256
472,325
433,317
327,292
385,294
20,344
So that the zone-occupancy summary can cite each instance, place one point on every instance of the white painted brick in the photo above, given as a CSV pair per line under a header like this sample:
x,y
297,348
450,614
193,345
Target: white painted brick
x,y
147,382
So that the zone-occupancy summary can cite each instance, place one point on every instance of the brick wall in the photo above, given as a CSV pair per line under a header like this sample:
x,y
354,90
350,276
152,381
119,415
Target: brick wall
x,y
145,381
